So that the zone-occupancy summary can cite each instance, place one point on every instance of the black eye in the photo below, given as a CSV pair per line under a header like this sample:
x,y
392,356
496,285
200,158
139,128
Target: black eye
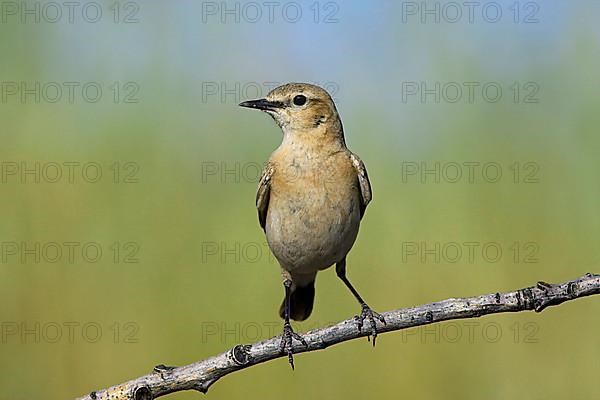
x,y
299,100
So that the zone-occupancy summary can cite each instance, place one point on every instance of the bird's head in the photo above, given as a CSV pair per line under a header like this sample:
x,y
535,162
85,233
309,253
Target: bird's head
x,y
299,109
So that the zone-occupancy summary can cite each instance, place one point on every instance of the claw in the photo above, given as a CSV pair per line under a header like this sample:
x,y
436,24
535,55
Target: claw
x,y
285,346
369,314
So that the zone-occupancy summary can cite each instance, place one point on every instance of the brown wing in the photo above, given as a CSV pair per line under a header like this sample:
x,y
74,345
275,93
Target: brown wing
x,y
363,179
263,193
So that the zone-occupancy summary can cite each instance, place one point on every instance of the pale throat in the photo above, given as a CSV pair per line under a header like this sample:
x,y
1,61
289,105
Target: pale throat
x,y
323,140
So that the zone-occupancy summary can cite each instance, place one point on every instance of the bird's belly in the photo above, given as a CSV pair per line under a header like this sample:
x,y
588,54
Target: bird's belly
x,y
310,231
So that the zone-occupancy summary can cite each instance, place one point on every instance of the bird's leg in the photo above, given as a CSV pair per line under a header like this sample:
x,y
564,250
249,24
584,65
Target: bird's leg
x,y
366,312
288,332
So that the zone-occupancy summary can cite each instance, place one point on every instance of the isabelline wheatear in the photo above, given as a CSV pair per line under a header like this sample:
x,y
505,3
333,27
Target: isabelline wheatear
x,y
311,198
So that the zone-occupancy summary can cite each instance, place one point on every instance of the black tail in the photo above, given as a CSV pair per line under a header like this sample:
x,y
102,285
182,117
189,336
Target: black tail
x,y
301,302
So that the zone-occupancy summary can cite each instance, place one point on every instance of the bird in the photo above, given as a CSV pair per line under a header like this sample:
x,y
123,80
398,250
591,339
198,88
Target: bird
x,y
311,198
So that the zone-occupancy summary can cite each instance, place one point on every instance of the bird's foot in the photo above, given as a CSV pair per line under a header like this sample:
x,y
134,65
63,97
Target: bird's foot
x,y
286,342
367,313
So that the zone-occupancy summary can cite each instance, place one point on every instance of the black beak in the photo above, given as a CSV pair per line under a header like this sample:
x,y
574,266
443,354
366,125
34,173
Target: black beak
x,y
262,104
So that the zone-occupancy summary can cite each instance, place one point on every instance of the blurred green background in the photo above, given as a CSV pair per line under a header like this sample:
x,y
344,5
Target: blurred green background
x,y
183,201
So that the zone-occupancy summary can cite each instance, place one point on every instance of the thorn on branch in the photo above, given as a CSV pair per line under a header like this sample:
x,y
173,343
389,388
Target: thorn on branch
x,y
163,370
552,295
202,386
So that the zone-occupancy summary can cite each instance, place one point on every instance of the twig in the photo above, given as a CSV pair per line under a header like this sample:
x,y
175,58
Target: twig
x,y
202,374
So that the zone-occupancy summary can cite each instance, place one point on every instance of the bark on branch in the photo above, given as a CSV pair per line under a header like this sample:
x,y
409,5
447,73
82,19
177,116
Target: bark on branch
x,y
202,374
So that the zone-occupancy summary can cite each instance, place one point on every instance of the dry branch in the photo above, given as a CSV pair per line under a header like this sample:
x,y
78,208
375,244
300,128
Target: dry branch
x,y
202,374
